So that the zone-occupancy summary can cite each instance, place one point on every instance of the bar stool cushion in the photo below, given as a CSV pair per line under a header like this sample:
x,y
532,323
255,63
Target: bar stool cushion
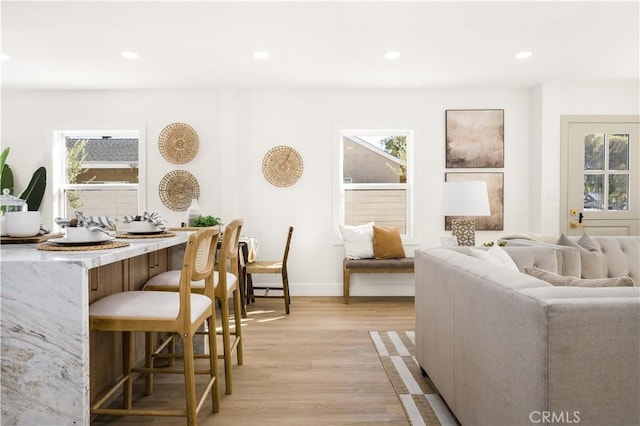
x,y
170,280
147,304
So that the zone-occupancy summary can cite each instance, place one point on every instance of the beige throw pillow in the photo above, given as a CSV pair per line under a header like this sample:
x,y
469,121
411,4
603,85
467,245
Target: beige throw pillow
x,y
496,255
592,261
387,243
560,280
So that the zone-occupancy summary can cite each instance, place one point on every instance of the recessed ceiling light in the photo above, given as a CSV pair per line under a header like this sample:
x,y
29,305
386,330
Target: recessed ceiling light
x,y
523,55
392,55
130,55
261,55
4,57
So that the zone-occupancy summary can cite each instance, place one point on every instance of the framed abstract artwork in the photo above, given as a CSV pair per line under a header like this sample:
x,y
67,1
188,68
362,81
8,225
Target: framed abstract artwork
x,y
495,188
475,138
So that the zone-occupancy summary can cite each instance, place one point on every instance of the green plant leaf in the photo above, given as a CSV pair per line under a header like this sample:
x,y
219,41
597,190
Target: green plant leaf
x,y
34,192
202,221
6,180
3,158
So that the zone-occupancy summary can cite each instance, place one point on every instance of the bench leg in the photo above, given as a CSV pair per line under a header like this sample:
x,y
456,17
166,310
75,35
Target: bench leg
x,y
345,285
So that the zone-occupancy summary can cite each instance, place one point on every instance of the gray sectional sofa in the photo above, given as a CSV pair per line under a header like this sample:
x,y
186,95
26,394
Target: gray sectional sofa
x,y
505,348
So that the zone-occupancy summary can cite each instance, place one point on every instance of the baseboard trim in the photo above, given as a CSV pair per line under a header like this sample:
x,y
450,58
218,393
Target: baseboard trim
x,y
360,289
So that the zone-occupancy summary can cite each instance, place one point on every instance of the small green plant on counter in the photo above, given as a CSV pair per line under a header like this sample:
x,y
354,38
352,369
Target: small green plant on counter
x,y
491,243
34,191
202,221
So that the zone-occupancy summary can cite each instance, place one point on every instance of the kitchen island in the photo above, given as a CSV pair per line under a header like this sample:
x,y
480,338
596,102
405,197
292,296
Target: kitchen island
x,y
44,305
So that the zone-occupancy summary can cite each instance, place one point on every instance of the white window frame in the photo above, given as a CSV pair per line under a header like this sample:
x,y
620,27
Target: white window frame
x,y
340,186
59,163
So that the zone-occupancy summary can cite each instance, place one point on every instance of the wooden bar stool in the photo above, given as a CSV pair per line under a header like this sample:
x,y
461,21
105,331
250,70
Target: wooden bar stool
x,y
226,286
181,312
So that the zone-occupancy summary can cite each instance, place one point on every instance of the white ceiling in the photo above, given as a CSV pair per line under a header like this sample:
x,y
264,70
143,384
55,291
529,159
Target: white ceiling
x,y
77,45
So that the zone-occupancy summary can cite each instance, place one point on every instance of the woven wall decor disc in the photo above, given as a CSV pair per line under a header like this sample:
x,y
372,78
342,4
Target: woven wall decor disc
x,y
178,143
177,188
282,166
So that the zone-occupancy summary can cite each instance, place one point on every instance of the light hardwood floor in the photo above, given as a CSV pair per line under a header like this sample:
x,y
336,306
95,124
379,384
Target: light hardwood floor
x,y
316,366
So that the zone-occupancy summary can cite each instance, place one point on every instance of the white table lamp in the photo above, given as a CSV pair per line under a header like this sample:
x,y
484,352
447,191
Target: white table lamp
x,y
464,198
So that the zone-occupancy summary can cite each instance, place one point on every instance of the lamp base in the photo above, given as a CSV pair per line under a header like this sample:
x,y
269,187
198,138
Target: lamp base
x,y
465,231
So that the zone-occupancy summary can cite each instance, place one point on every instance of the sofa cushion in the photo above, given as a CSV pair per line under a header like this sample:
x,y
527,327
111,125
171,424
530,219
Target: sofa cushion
x,y
496,255
559,280
623,256
387,243
358,240
593,262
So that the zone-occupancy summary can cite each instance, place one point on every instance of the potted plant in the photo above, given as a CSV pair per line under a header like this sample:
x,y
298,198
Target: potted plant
x,y
204,221
34,191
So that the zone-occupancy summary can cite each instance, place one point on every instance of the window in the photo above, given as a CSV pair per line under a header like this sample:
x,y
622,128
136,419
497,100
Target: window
x,y
606,171
98,173
375,178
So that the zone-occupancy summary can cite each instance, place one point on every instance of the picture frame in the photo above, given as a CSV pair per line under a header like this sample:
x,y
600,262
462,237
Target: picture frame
x,y
474,138
495,188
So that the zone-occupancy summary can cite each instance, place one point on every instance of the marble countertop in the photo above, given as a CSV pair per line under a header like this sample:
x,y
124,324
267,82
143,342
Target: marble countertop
x,y
90,258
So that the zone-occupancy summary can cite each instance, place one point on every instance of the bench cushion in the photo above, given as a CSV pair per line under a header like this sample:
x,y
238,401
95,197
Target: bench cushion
x,y
402,263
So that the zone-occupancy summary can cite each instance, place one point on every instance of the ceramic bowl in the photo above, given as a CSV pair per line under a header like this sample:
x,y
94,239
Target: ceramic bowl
x,y
22,224
84,235
142,226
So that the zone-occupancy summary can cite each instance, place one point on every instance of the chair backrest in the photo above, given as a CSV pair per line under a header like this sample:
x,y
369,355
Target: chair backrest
x,y
228,260
205,256
286,248
197,264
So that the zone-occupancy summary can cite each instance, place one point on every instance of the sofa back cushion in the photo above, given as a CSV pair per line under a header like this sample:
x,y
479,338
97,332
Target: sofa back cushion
x,y
623,256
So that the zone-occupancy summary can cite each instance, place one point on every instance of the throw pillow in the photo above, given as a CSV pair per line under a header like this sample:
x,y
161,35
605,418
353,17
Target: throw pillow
x,y
592,263
358,240
560,280
495,255
387,243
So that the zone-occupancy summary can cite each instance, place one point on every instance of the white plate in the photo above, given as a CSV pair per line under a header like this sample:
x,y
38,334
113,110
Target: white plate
x,y
65,242
145,232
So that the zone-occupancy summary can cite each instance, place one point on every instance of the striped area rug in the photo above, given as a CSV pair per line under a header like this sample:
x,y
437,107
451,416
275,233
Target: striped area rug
x,y
420,401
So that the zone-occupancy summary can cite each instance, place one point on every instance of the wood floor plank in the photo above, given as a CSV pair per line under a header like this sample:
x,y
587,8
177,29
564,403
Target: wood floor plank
x,y
316,366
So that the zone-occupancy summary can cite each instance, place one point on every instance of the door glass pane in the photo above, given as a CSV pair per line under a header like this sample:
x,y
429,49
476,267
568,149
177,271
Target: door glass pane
x,y
618,152
619,192
593,192
594,151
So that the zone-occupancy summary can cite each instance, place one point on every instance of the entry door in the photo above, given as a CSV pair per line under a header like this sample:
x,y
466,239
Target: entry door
x,y
600,175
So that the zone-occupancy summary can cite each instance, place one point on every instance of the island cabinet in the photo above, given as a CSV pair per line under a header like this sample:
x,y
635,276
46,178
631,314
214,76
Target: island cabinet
x,y
106,347
52,365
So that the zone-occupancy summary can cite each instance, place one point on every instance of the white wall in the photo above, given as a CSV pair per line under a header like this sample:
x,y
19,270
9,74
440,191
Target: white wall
x,y
238,126
555,100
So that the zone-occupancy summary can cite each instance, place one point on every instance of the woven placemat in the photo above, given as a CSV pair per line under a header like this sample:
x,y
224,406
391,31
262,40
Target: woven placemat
x,y
49,246
136,236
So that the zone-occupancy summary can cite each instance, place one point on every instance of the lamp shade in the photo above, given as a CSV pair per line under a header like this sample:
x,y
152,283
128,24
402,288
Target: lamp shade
x,y
465,198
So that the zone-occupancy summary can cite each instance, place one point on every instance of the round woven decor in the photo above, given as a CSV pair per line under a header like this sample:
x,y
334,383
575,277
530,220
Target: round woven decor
x,y
282,166
177,189
178,143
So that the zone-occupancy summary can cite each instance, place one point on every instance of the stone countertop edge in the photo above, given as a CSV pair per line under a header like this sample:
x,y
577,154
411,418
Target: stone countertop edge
x,y
89,258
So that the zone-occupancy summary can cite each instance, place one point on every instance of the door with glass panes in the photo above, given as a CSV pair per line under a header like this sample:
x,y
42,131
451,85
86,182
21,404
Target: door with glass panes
x,y
601,179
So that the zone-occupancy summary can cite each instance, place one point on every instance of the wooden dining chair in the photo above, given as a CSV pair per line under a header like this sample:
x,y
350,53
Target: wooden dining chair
x,y
271,267
226,286
180,313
